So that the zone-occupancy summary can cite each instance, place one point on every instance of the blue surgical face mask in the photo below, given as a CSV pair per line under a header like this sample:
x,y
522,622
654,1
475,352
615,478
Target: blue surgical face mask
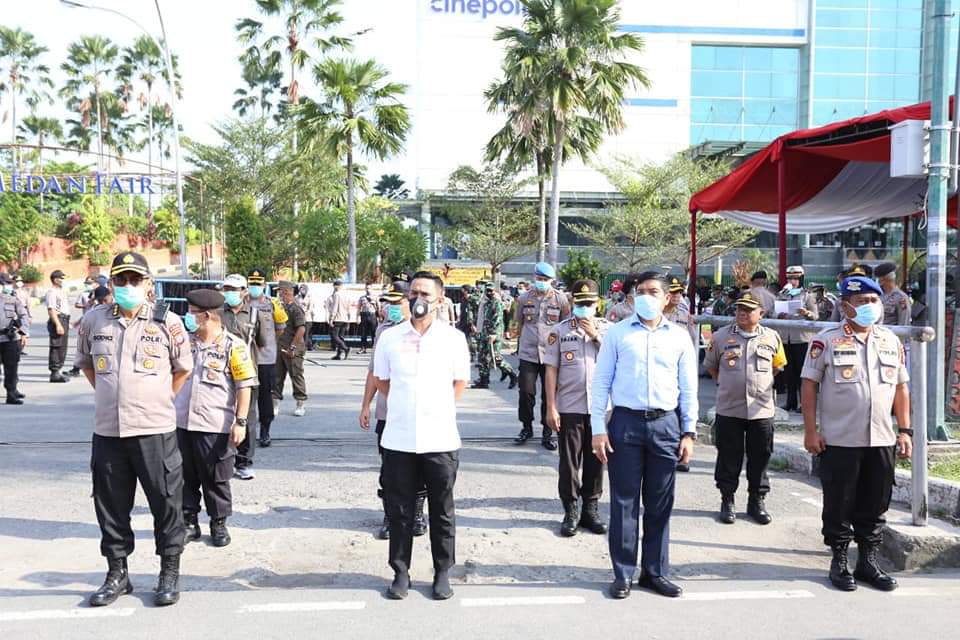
x,y
190,322
7,289
868,314
647,307
233,298
255,291
129,297
584,312
541,286
394,313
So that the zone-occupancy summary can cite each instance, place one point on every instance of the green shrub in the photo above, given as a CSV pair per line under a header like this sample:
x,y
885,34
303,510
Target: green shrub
x,y
30,273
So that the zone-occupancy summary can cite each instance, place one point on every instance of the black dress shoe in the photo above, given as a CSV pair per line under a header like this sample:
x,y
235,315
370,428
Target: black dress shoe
x,y
683,467
14,400
548,440
619,589
117,583
399,587
219,535
336,357
513,381
346,353
16,392
503,375
661,585
441,586
56,376
192,526
525,434
728,512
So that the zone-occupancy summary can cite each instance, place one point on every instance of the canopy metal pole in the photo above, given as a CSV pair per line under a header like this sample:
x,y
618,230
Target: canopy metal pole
x,y
692,285
904,258
782,219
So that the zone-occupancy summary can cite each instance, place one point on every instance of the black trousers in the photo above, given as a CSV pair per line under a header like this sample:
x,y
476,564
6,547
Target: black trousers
x,y
576,455
796,353
308,335
857,486
267,377
368,329
207,468
58,344
528,392
403,474
248,447
336,336
421,491
10,360
734,436
117,464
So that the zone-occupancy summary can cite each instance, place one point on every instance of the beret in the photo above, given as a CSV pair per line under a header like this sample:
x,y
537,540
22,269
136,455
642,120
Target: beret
x,y
545,269
205,299
859,284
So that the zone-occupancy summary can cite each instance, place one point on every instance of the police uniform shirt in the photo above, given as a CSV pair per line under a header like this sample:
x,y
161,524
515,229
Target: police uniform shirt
x,y
857,382
239,324
574,355
12,310
143,353
537,316
338,309
620,311
767,300
23,296
896,308
380,412
680,316
208,400
56,299
807,301
746,365
272,317
295,319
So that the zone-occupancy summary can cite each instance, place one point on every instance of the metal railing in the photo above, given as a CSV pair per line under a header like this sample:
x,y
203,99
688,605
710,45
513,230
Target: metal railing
x,y
919,337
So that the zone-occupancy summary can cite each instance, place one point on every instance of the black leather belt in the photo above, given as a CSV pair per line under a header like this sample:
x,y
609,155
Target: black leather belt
x,y
646,414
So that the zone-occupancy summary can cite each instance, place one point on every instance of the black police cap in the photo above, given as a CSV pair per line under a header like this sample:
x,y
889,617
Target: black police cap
x,y
5,278
130,261
205,299
257,276
884,269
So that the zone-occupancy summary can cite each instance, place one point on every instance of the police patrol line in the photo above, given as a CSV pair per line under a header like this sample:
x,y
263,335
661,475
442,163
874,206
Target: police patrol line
x,y
176,400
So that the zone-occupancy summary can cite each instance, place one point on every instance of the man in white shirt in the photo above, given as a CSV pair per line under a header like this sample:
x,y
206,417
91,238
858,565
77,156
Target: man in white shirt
x,y
421,367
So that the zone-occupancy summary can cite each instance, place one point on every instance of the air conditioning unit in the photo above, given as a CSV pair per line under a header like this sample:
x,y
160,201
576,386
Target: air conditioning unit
x,y
909,149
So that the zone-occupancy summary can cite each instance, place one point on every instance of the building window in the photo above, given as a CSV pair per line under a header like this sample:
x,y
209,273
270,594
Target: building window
x,y
743,93
866,57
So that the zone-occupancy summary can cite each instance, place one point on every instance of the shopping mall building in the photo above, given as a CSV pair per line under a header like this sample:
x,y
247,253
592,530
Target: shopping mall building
x,y
727,76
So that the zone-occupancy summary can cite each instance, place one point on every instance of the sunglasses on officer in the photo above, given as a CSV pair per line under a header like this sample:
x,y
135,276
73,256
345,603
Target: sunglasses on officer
x,y
128,279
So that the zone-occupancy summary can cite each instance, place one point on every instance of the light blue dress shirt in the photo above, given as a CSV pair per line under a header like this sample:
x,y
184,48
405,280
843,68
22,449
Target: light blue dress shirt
x,y
643,368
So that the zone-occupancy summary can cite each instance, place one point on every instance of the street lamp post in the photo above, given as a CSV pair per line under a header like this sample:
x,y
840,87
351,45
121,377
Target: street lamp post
x,y
168,61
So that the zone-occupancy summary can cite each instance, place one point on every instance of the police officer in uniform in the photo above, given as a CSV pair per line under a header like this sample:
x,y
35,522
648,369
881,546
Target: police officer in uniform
x,y
570,357
743,358
896,304
212,413
273,317
623,307
243,320
58,326
136,357
338,317
855,270
466,320
758,288
796,340
824,302
394,301
291,346
491,342
538,312
677,311
860,371
368,318
14,330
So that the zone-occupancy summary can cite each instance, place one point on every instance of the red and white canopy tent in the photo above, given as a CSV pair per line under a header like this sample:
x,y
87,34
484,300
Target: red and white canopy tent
x,y
820,180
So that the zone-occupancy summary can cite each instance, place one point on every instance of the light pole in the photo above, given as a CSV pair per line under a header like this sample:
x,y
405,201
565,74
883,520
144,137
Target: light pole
x,y
168,61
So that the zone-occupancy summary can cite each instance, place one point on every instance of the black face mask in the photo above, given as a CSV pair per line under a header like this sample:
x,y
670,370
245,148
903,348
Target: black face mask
x,y
419,307
489,294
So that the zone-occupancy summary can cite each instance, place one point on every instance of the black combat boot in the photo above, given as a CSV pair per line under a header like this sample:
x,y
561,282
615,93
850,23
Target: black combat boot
x,y
168,585
441,586
868,569
219,535
399,587
525,434
13,399
264,439
193,527
571,518
728,509
116,583
757,510
840,574
17,394
590,518
548,439
383,533
419,520
482,383
56,376
514,379
503,374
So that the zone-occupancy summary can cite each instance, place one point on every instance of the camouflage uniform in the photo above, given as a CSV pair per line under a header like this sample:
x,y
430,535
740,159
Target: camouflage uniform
x,y
489,354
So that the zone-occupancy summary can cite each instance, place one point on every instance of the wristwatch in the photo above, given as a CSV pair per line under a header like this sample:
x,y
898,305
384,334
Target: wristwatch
x,y
906,432
242,422
690,434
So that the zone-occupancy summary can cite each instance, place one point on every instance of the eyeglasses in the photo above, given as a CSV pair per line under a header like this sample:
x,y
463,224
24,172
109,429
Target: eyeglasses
x,y
127,279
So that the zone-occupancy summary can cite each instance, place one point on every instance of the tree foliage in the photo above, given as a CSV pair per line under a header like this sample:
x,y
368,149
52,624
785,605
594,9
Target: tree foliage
x,y
653,228
581,265
244,233
390,186
92,230
22,226
488,223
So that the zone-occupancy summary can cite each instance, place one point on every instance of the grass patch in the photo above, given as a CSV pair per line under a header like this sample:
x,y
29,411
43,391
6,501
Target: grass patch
x,y
947,469
778,464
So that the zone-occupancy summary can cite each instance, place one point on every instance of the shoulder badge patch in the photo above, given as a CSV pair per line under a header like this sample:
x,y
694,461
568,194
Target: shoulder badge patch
x,y
816,348
552,339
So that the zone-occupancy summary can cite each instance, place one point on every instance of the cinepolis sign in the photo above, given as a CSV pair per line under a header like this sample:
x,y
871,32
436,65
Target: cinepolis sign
x,y
98,184
481,8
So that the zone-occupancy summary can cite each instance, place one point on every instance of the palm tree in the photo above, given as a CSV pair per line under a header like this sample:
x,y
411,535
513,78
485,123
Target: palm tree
x,y
22,73
41,129
361,111
263,76
89,67
569,57
143,62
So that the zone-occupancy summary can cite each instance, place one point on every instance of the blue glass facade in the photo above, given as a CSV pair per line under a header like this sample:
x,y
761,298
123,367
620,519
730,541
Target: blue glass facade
x,y
743,93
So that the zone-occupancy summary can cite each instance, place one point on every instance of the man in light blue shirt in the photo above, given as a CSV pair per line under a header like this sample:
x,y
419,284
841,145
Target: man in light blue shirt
x,y
647,368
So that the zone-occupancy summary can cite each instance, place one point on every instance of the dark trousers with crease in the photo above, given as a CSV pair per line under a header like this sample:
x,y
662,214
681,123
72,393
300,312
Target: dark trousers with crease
x,y
576,457
117,465
368,329
248,447
642,468
337,337
734,437
267,377
796,353
529,371
403,474
10,359
207,468
57,354
421,491
857,486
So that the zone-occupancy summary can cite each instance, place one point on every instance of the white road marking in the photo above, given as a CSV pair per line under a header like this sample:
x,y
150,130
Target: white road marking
x,y
520,601
906,592
284,607
818,503
64,614
746,595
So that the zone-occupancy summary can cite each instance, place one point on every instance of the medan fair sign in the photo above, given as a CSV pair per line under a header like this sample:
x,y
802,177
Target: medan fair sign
x,y
97,183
